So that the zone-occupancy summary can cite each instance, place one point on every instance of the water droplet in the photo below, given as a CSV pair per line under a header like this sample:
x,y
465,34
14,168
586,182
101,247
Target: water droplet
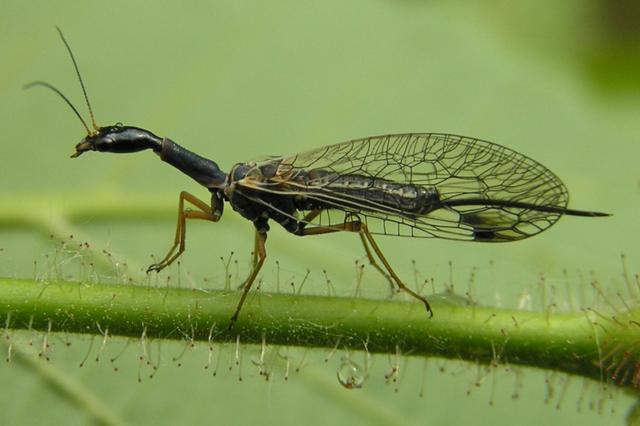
x,y
350,374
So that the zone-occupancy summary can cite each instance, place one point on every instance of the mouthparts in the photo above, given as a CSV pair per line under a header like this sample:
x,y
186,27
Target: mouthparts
x,y
81,148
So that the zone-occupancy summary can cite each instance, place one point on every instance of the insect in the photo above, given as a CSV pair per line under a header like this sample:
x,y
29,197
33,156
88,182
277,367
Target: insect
x,y
428,185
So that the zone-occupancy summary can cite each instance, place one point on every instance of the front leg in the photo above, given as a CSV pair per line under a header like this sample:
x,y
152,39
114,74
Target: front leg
x,y
205,212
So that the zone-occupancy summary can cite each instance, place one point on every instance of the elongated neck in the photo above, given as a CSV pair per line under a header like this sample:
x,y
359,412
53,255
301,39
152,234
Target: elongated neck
x,y
202,170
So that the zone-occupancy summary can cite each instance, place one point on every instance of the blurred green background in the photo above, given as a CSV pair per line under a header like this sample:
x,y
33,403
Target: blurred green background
x,y
234,80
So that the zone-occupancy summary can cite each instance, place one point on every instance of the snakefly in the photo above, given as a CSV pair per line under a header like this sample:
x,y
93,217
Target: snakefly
x,y
426,185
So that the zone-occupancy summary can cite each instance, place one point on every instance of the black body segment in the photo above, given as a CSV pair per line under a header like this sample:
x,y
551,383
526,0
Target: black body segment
x,y
367,193
258,206
202,170
119,139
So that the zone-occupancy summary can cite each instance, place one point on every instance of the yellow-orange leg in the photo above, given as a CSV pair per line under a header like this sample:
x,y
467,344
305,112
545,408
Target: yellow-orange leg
x,y
259,255
367,239
327,229
365,232
204,213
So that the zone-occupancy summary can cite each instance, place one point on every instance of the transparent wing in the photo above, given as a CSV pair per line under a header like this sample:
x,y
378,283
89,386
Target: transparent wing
x,y
478,190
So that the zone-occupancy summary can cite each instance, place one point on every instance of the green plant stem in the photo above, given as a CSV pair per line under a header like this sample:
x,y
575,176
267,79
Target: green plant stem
x,y
584,343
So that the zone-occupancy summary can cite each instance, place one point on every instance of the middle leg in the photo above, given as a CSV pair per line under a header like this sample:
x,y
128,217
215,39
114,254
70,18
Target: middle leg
x,y
260,254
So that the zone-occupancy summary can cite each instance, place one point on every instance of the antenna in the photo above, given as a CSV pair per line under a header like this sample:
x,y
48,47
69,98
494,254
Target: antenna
x,y
49,86
84,90
96,128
